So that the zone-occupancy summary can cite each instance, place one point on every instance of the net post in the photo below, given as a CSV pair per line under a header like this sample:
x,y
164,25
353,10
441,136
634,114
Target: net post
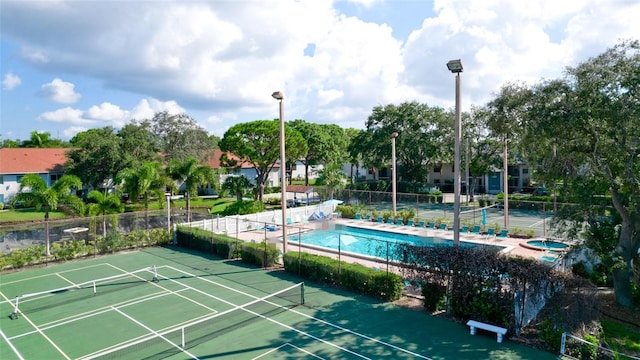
x,y
183,340
14,314
95,289
302,293
155,274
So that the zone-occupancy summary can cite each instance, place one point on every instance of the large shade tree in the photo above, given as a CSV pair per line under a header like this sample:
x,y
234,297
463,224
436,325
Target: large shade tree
x,y
484,150
190,174
325,144
96,157
35,192
181,137
591,118
425,136
257,143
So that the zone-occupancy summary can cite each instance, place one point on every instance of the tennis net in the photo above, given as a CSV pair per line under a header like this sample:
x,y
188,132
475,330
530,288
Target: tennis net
x,y
47,299
178,339
478,215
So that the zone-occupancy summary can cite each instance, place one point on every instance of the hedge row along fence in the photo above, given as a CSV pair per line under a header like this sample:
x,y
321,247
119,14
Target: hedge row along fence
x,y
227,247
73,249
353,277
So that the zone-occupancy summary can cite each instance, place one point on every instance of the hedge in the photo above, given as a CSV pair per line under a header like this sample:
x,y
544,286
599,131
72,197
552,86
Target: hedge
x,y
353,277
227,247
72,249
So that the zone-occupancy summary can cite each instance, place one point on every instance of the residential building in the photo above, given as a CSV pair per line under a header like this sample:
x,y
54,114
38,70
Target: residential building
x,y
17,162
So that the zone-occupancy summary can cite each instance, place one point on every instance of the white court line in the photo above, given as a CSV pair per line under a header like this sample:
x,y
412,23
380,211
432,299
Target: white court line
x,y
41,333
46,275
157,334
162,287
93,313
309,317
67,280
293,346
11,345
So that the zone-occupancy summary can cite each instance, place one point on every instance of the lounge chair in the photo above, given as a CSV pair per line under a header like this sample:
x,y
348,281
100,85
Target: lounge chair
x,y
431,225
503,233
289,222
410,222
399,222
420,224
390,220
465,229
367,217
358,216
379,219
491,232
476,229
443,226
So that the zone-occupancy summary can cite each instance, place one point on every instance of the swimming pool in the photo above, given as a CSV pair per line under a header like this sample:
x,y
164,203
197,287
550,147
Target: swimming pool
x,y
371,242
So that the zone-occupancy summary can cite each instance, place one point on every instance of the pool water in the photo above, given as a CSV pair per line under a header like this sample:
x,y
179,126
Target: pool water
x,y
370,242
545,245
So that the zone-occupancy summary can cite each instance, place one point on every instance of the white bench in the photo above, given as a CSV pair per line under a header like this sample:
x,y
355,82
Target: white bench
x,y
473,325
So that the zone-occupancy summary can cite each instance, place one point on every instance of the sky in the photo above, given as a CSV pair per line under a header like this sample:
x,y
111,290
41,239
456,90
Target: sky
x,y
71,65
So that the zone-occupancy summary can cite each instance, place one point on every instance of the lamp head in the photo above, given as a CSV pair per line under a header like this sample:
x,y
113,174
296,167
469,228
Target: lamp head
x,y
278,95
455,66
394,135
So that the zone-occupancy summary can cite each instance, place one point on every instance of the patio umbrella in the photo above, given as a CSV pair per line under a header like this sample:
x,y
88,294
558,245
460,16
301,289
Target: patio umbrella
x,y
333,203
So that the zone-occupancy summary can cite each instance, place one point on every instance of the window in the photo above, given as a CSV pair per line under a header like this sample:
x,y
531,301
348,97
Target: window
x,y
19,178
1,179
437,168
53,178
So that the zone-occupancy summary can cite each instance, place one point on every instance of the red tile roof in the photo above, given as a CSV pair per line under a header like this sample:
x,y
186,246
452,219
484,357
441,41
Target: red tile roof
x,y
32,160
214,160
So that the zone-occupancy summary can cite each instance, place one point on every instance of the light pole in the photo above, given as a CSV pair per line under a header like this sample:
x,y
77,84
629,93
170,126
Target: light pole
x,y
278,95
455,66
505,164
467,180
393,172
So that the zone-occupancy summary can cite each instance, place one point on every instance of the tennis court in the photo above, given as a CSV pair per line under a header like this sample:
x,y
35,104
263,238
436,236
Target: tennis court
x,y
176,304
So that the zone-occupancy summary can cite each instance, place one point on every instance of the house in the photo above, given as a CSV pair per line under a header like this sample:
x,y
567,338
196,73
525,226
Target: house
x,y
17,162
441,176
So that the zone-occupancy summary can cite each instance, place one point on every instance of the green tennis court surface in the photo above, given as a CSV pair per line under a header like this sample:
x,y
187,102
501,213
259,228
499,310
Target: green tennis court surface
x,y
204,308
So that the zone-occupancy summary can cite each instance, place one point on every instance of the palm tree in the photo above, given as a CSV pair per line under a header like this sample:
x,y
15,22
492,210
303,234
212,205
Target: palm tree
x,y
333,177
145,182
237,185
34,192
104,204
191,174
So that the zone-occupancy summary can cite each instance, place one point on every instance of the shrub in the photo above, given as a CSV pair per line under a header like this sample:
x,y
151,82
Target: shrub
x,y
261,254
354,277
244,207
347,211
550,334
434,296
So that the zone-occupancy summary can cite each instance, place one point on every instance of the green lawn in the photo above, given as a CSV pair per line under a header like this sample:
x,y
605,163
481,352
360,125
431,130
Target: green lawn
x,y
28,215
218,204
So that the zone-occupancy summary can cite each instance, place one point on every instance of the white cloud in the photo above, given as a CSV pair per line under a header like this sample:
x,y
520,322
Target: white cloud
x,y
10,81
223,59
66,115
73,131
60,91
146,108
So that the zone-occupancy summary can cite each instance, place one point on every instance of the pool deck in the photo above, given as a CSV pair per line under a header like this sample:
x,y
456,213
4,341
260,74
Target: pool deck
x,y
512,245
